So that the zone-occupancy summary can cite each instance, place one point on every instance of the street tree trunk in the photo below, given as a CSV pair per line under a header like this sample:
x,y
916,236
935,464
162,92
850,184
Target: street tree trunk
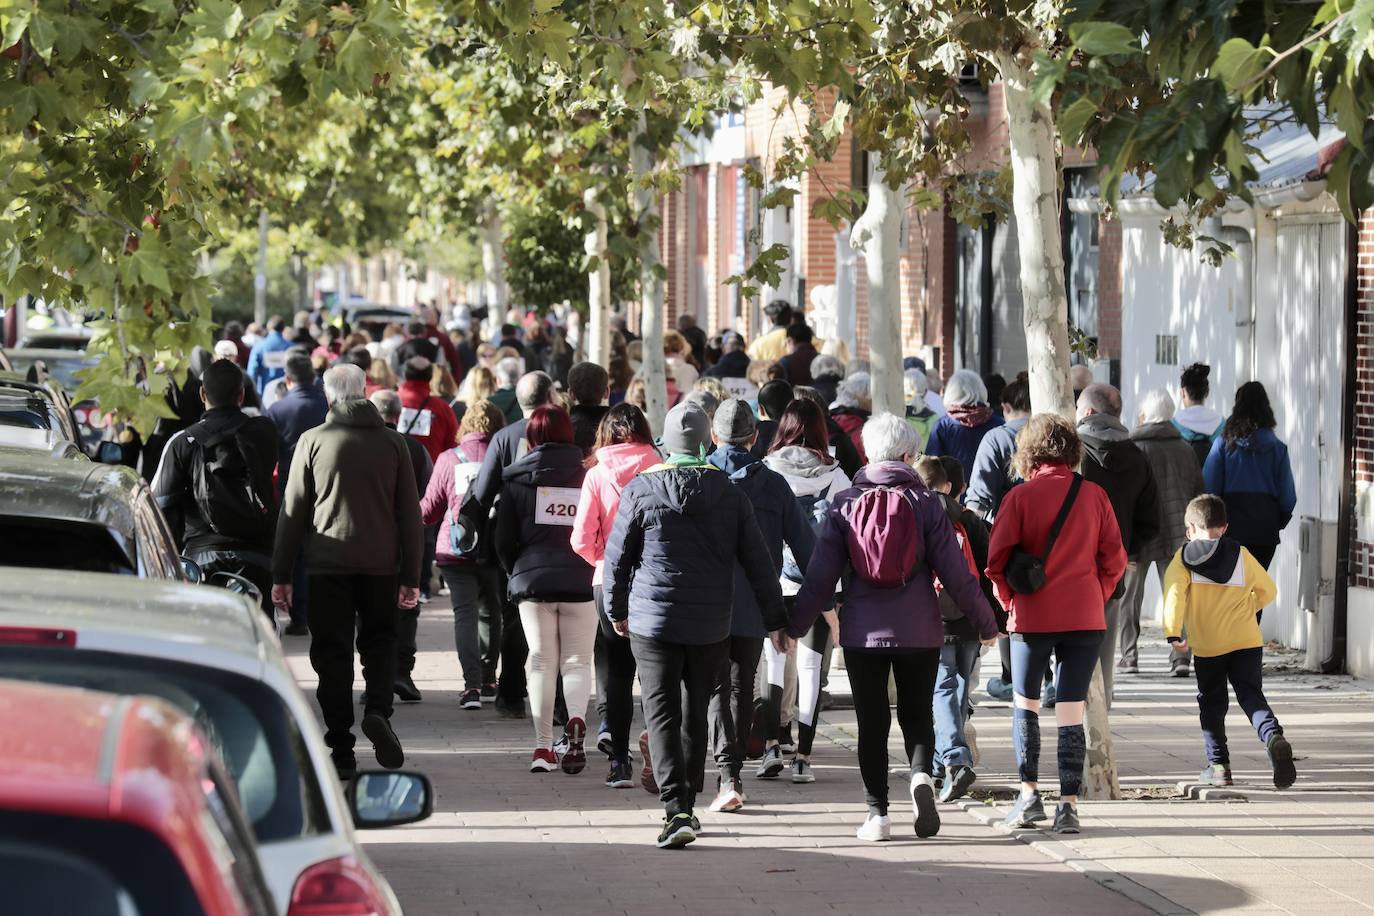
x,y
651,290
494,264
598,331
260,277
877,233
1035,202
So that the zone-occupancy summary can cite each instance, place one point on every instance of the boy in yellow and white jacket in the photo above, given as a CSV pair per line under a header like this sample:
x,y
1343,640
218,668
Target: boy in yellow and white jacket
x,y
1214,590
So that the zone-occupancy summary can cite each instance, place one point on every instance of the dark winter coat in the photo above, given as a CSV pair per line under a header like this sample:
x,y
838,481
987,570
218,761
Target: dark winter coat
x,y
842,447
1178,479
1254,477
977,533
535,552
992,474
890,618
1113,462
950,437
780,520
731,365
796,366
298,411
852,420
670,560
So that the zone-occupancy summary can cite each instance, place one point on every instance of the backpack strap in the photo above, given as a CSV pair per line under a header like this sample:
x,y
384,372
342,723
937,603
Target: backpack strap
x,y
1059,519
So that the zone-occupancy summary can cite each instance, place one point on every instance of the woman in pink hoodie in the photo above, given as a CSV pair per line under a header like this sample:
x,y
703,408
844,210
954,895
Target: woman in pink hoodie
x,y
476,585
624,447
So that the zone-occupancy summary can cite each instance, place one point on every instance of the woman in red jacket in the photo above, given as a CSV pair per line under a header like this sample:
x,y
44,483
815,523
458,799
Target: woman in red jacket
x,y
1065,615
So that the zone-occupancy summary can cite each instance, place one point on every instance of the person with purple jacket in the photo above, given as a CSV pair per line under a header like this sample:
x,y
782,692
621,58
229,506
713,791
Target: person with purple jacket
x,y
891,627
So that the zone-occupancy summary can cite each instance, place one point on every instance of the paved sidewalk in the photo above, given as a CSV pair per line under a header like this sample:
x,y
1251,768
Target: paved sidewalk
x,y
503,840
1306,850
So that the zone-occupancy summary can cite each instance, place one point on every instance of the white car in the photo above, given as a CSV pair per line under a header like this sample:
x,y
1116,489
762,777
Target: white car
x,y
213,654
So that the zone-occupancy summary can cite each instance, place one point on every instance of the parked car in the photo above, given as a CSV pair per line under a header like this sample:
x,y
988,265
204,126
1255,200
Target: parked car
x,y
74,337
39,404
64,368
116,805
213,654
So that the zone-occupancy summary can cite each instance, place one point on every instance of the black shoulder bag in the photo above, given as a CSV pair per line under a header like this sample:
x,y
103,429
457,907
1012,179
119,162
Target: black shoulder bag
x,y
1025,572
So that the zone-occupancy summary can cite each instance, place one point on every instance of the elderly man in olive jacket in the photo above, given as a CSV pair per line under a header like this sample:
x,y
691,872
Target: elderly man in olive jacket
x,y
351,500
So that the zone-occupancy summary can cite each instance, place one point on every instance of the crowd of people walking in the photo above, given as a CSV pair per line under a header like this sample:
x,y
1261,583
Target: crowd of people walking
x,y
773,519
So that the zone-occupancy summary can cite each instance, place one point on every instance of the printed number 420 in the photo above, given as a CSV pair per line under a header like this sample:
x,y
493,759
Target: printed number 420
x,y
561,510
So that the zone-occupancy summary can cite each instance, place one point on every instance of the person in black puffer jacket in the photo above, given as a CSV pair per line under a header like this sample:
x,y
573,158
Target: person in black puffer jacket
x,y
680,529
549,581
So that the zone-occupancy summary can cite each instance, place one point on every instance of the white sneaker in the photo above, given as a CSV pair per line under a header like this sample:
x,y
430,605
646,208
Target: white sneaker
x,y
927,817
729,798
876,829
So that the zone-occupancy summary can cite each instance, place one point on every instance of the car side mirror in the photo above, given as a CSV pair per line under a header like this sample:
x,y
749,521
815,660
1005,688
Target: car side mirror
x,y
108,452
379,798
237,584
192,571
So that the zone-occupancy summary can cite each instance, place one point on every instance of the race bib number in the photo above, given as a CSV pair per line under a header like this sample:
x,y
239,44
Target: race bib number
x,y
740,388
556,505
416,422
275,359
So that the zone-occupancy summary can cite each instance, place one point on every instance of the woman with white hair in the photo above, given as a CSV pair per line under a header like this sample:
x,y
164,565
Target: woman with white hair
x,y
852,408
1179,479
889,534
918,413
968,420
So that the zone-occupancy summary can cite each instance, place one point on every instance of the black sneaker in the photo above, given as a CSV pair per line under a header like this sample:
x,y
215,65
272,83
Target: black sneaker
x,y
771,766
957,783
1281,758
488,693
1065,819
604,743
622,775
345,766
510,709
677,832
296,629
405,689
471,699
1027,812
384,741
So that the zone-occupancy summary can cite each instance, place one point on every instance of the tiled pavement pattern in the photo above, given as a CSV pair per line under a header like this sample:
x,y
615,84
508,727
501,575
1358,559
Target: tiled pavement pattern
x,y
505,841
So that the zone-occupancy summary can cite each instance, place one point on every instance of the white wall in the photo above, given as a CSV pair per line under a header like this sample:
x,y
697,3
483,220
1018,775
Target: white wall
x,y
1359,656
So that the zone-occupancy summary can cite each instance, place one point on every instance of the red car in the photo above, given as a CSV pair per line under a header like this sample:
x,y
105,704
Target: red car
x,y
114,805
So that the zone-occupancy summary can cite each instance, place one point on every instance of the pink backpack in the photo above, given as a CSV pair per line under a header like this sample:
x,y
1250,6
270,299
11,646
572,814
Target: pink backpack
x,y
884,538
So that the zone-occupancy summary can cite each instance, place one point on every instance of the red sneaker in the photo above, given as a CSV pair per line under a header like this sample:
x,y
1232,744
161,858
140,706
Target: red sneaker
x,y
575,757
544,760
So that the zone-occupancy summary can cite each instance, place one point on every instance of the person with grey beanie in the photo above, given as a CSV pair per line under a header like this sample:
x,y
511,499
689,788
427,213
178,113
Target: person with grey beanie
x,y
681,528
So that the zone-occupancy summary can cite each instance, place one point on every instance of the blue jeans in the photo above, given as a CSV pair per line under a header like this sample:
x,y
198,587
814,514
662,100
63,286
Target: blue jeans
x,y
952,684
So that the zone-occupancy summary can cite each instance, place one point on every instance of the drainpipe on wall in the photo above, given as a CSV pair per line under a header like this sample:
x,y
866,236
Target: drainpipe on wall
x,y
1334,663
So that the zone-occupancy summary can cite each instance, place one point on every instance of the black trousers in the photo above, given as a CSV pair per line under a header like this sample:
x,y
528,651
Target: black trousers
x,y
335,600
676,681
510,686
1244,669
615,679
914,671
253,566
491,614
731,712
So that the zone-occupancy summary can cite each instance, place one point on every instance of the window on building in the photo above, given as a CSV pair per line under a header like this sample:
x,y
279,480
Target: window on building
x,y
1166,349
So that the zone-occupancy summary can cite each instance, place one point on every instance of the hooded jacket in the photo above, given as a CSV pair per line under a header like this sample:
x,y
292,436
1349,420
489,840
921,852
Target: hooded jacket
x,y
1113,462
1178,479
1084,567
780,520
504,400
670,560
616,466
1199,425
1254,477
950,437
890,618
852,420
351,500
992,474
437,503
814,485
922,420
427,419
1215,590
534,549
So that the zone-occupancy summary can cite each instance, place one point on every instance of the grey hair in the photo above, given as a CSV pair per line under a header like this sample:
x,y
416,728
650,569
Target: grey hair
x,y
388,404
1156,406
508,371
890,438
344,383
965,387
824,366
854,390
916,385
1102,398
533,390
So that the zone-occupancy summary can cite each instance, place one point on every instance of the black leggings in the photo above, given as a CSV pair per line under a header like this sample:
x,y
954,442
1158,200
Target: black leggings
x,y
914,671
815,642
615,679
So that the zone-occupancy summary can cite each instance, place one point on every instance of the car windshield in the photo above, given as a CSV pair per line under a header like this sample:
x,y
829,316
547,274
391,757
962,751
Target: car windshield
x,y
245,720
63,369
54,864
38,543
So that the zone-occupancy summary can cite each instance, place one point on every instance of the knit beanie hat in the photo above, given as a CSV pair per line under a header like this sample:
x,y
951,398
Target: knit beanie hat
x,y
734,422
686,430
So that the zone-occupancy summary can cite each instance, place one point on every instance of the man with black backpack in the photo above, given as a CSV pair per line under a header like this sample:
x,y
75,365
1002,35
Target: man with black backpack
x,y
214,483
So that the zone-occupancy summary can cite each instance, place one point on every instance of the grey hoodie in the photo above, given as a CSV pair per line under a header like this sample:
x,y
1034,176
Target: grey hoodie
x,y
815,484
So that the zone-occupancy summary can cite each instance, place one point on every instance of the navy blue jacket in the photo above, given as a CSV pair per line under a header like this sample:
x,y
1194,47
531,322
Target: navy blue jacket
x,y
1254,477
536,553
780,518
950,437
298,411
671,557
730,365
